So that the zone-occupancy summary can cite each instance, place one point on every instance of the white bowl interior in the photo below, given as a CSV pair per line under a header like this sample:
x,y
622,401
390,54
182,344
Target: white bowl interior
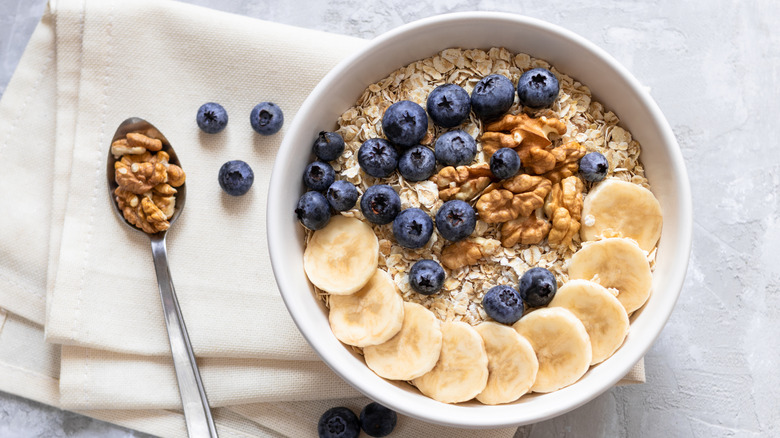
x,y
610,84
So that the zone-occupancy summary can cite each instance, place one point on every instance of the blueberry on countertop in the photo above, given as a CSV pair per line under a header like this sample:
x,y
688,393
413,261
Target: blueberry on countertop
x,y
405,123
492,96
380,204
455,148
537,88
266,118
456,220
211,118
342,195
235,177
313,210
328,146
537,287
505,163
412,228
503,303
377,157
338,422
426,277
377,420
417,163
593,167
448,105
318,176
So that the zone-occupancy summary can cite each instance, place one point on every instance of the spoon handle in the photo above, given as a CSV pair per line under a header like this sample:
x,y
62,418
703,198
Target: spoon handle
x,y
193,397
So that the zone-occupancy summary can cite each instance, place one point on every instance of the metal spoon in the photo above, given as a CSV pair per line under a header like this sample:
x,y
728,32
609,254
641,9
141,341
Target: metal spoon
x,y
197,414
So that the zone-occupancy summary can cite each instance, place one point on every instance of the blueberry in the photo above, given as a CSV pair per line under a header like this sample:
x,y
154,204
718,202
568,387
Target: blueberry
x,y
448,105
593,167
417,163
505,163
328,146
342,195
492,96
426,277
266,118
377,157
537,88
455,148
456,220
313,210
405,123
235,177
503,303
537,287
211,118
412,228
318,176
380,204
338,422
377,420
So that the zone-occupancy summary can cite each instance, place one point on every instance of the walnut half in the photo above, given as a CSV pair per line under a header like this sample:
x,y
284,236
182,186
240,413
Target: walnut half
x,y
467,252
564,208
462,182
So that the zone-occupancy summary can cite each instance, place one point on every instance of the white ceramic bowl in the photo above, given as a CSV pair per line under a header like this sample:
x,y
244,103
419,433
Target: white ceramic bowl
x,y
610,83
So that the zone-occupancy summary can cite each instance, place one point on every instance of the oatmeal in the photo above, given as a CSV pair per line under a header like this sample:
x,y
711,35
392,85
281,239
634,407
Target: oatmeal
x,y
585,121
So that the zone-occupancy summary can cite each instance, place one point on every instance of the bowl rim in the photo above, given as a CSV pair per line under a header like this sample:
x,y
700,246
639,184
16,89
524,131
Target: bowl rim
x,y
455,415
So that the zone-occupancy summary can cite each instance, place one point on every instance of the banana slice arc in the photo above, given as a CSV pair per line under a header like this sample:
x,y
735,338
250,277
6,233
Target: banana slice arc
x,y
615,263
370,316
413,351
561,344
616,208
462,369
342,257
512,364
604,318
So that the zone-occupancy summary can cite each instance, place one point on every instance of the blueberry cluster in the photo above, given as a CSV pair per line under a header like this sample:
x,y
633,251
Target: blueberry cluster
x,y
236,176
340,422
325,192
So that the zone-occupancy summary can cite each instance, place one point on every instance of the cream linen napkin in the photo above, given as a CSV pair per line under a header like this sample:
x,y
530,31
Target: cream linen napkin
x,y
89,79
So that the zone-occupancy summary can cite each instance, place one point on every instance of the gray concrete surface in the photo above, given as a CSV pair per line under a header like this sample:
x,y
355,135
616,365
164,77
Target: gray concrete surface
x,y
713,67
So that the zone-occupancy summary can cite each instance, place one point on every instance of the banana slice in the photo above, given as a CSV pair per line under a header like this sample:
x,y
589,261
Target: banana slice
x,y
561,344
616,263
462,370
512,364
616,208
370,316
413,351
604,318
342,257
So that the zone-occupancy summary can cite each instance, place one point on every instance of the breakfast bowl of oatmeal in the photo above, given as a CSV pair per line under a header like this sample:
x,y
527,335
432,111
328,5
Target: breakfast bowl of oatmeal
x,y
480,220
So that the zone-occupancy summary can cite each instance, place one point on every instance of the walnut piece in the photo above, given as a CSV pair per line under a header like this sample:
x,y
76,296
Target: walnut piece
x,y
567,161
462,182
526,135
530,230
120,147
136,139
139,177
467,252
564,208
519,197
134,208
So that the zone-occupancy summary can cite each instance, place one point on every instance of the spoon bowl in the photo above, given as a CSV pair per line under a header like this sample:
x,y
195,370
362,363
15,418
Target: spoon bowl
x,y
195,404
141,126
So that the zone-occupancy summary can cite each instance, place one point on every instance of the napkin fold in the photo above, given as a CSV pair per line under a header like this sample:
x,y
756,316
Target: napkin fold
x,y
68,262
